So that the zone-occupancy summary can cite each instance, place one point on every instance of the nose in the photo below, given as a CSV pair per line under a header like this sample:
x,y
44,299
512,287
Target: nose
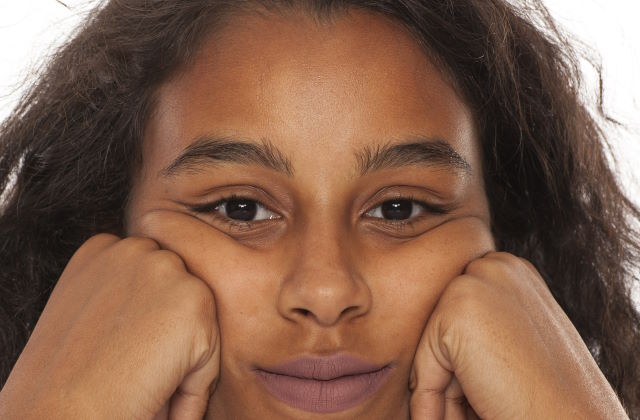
x,y
323,285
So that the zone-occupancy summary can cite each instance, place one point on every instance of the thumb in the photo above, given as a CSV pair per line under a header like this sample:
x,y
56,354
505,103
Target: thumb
x,y
190,400
435,391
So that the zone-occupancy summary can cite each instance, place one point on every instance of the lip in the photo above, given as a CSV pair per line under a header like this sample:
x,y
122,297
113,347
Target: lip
x,y
324,384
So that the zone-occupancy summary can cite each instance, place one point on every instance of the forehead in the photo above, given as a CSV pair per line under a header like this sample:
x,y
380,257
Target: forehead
x,y
359,79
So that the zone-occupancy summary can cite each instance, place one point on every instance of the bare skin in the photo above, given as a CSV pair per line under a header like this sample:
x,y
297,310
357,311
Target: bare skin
x,y
172,321
94,351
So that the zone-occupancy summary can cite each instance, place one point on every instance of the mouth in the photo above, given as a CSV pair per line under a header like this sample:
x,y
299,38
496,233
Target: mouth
x,y
324,384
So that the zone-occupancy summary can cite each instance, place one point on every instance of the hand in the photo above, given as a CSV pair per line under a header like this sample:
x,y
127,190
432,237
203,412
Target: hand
x,y
128,332
498,346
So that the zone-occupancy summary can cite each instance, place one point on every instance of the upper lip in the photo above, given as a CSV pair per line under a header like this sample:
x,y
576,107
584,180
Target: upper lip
x,y
324,367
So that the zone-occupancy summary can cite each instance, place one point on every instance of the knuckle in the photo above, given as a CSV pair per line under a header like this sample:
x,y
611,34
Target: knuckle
x,y
500,255
527,263
89,250
198,305
101,239
426,404
96,243
162,261
456,399
426,392
140,244
461,311
487,268
465,295
535,275
460,286
504,259
197,300
529,266
477,265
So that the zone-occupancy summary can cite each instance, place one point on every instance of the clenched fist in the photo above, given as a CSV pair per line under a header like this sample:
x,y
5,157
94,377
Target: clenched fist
x,y
498,346
128,332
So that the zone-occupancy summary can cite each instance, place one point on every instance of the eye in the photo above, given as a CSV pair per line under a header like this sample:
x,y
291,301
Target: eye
x,y
402,209
244,210
237,211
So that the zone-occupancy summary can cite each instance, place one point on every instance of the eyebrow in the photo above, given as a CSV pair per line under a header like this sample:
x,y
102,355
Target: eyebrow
x,y
212,149
417,150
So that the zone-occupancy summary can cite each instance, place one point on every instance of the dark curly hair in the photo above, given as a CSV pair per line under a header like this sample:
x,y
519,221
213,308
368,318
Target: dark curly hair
x,y
70,149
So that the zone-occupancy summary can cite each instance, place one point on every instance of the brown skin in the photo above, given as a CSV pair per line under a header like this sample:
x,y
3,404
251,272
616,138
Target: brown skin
x,y
95,350
484,324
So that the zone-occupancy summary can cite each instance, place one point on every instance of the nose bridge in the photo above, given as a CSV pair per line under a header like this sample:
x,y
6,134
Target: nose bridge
x,y
324,284
324,246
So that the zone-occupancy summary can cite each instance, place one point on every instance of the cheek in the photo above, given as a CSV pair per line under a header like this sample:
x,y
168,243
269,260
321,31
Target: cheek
x,y
407,280
245,290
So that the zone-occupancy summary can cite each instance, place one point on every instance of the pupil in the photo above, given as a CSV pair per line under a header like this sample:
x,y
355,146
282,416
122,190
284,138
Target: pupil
x,y
397,210
244,210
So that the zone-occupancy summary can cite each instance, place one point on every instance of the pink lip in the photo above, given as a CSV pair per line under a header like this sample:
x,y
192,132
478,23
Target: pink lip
x,y
324,384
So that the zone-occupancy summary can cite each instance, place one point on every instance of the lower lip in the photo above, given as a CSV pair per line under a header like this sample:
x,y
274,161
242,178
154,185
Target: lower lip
x,y
324,396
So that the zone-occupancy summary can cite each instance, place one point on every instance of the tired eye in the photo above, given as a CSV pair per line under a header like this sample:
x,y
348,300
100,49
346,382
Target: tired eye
x,y
400,209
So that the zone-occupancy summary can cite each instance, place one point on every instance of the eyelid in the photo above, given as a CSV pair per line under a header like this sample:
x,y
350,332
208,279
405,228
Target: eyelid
x,y
384,196
427,207
210,207
399,225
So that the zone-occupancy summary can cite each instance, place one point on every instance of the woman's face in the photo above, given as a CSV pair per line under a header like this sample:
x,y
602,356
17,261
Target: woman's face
x,y
321,140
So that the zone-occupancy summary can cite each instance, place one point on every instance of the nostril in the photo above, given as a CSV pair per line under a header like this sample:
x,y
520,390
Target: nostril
x,y
349,309
304,312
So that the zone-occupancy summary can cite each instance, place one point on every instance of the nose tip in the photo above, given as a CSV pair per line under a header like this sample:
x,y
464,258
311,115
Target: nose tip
x,y
325,288
334,300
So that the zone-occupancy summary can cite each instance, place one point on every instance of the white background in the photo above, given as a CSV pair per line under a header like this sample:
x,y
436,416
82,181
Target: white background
x,y
29,29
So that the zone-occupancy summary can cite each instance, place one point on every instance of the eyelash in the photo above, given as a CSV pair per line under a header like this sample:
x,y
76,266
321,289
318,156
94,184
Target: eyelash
x,y
209,208
399,225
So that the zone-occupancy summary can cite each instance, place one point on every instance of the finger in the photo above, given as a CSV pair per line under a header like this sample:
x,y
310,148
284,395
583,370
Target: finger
x,y
508,258
534,271
529,265
87,251
97,243
198,244
191,399
430,377
163,414
69,289
526,270
455,402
